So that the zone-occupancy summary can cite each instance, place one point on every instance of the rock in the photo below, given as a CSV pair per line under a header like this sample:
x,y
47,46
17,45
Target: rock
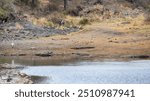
x,y
137,56
22,75
24,81
13,76
7,66
10,66
9,79
17,35
140,56
22,54
44,54
83,47
81,54
28,81
29,31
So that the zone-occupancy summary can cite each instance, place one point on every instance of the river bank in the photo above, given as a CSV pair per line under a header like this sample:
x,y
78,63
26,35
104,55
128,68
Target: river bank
x,y
10,74
118,30
99,40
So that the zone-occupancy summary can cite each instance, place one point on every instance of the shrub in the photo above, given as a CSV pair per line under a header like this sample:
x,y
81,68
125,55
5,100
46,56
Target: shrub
x,y
31,3
6,7
2,12
147,15
84,21
50,24
56,18
52,7
74,11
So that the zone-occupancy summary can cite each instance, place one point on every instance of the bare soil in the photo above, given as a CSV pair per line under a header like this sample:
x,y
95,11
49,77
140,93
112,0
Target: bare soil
x,y
99,40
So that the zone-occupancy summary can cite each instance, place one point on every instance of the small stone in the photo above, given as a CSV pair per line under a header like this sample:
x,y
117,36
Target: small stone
x,y
44,54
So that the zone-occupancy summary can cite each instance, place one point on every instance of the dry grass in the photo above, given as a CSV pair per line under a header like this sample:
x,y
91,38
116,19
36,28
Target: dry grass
x,y
84,21
130,25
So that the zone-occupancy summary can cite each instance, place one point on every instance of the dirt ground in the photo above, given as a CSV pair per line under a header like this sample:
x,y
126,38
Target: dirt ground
x,y
98,40
105,40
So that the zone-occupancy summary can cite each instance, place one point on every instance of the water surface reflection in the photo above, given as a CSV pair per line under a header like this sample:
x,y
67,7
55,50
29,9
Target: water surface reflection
x,y
129,72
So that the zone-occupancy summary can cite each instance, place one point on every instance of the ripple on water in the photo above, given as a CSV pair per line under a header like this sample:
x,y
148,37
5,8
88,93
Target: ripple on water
x,y
131,72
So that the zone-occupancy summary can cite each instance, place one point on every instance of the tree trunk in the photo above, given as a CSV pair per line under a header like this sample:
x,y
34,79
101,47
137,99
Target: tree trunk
x,y
34,3
65,4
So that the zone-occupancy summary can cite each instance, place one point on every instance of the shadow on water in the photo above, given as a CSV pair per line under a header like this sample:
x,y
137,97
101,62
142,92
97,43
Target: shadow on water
x,y
48,61
39,61
39,79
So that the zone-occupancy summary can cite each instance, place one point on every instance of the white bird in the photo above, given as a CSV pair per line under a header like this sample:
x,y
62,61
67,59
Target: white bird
x,y
12,44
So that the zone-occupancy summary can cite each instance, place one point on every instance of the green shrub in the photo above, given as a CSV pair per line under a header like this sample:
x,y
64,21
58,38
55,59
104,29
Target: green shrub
x,y
50,24
2,12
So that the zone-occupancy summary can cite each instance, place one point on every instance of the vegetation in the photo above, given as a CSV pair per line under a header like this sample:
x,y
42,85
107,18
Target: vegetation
x,y
2,12
147,16
84,21
93,10
6,7
32,3
65,4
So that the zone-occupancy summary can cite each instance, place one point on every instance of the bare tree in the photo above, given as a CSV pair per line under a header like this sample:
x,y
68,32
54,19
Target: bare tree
x,y
34,3
65,4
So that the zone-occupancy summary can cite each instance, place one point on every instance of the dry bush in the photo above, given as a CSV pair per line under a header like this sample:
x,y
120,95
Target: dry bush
x,y
31,3
56,18
6,8
144,3
147,17
147,14
3,13
84,21
74,11
52,7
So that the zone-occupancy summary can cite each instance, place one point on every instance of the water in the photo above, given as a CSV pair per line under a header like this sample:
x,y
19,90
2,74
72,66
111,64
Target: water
x,y
76,71
102,72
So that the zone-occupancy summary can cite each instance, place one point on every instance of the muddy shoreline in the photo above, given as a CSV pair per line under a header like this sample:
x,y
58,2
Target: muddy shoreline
x,y
98,41
95,41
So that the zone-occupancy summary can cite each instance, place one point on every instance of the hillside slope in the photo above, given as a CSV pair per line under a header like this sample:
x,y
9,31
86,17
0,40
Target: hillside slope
x,y
47,8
